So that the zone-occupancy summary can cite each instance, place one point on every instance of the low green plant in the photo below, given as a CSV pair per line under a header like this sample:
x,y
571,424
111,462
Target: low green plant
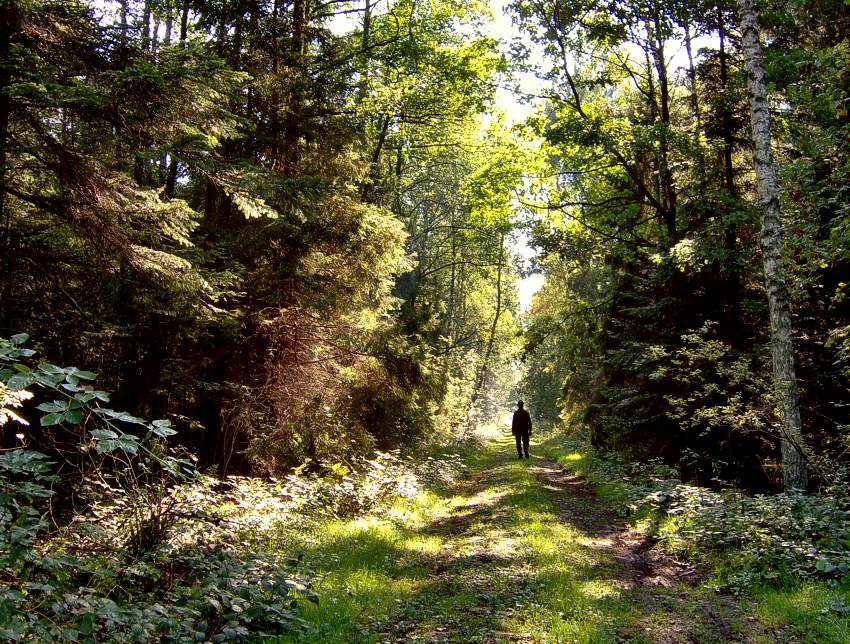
x,y
780,539
121,568
773,540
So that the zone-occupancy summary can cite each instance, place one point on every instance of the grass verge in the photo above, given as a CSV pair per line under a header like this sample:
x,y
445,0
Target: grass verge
x,y
490,559
791,609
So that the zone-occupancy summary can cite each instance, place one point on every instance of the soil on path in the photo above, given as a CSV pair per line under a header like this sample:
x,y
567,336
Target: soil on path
x,y
484,586
677,614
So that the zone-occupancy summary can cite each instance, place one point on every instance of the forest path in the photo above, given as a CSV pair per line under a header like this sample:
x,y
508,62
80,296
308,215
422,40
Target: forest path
x,y
524,551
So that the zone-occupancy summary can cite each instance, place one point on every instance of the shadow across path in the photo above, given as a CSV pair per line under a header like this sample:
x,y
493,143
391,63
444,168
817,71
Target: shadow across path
x,y
522,551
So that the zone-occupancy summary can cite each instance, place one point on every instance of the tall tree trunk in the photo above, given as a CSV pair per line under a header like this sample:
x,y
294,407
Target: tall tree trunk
x,y
171,175
365,43
124,24
184,23
124,42
146,27
236,59
367,190
733,281
785,381
155,33
667,187
692,76
488,351
169,22
448,322
728,167
221,36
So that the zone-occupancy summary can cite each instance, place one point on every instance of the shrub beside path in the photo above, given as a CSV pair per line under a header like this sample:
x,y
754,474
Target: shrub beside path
x,y
516,551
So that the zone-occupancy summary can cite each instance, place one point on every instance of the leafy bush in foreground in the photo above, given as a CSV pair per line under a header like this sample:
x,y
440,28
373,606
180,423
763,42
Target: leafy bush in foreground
x,y
158,552
348,490
118,570
774,539
219,596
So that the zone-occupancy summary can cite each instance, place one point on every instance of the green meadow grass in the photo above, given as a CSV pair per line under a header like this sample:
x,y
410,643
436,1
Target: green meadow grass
x,y
810,613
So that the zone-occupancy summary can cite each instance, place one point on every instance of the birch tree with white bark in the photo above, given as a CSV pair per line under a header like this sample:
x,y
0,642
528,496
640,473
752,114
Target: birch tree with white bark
x,y
782,346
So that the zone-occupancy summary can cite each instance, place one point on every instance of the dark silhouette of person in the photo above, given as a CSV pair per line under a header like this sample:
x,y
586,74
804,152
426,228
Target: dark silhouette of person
x,y
521,429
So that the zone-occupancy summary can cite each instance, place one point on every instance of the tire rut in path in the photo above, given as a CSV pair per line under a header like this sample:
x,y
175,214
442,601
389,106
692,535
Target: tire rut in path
x,y
647,563
646,566
474,562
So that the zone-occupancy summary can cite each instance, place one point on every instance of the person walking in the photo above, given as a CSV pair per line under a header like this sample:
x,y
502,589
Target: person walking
x,y
521,429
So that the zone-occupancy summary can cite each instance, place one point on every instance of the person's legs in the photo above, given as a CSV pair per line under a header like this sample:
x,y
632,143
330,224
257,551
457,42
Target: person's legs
x,y
518,444
525,440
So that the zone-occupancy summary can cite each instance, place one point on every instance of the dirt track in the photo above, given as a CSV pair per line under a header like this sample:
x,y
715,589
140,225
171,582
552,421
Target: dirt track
x,y
482,584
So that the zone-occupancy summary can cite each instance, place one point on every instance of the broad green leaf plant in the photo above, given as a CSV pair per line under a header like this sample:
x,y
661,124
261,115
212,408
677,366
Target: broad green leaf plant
x,y
77,403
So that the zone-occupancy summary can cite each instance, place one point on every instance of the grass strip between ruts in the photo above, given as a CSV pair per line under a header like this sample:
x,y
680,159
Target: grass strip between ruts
x,y
503,556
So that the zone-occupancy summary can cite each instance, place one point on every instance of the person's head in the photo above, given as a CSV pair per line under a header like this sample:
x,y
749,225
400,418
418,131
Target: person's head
x,y
519,404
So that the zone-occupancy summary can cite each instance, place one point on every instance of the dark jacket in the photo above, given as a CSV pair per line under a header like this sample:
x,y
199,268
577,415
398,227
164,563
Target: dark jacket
x,y
521,423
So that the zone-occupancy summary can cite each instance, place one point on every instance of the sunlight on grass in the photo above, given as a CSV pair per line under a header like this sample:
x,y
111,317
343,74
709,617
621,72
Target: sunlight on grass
x,y
570,603
363,586
569,619
424,545
367,567
553,541
489,497
491,558
493,431
416,513
362,524
599,589
346,599
497,542
814,613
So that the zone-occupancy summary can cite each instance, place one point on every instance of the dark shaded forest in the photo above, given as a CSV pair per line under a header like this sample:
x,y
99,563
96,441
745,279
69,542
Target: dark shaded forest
x,y
653,327
259,240
285,241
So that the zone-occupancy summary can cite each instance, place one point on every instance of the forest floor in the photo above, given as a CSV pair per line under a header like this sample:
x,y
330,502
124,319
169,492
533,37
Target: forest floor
x,y
518,550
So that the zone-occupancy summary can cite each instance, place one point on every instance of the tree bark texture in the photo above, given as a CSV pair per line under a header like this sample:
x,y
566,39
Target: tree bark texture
x,y
785,381
488,352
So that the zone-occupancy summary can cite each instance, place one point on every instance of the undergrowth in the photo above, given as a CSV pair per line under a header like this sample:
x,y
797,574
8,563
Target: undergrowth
x,y
146,549
220,572
769,548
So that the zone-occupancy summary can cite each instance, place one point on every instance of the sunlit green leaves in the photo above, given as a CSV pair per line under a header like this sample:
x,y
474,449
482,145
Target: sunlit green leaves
x,y
502,172
162,428
434,72
80,402
28,461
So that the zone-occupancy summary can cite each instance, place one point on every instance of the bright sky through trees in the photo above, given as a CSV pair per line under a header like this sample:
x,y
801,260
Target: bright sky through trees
x,y
507,102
